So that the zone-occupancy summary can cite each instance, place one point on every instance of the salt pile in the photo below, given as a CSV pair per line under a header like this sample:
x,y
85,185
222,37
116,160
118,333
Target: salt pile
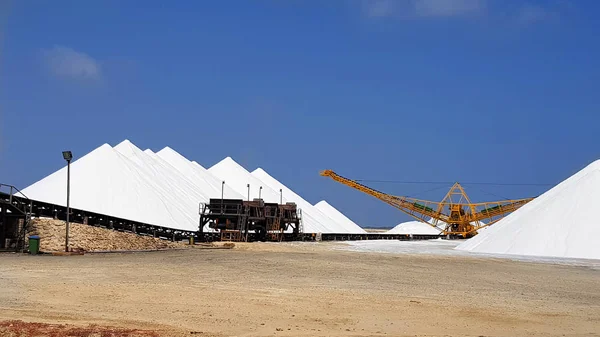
x,y
204,181
161,171
237,178
339,217
106,182
414,227
165,189
562,222
309,212
187,191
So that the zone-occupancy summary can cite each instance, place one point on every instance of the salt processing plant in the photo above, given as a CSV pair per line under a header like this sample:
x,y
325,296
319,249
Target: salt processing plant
x,y
168,196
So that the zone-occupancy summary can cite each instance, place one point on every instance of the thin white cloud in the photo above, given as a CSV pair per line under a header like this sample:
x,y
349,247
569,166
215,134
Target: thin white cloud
x,y
448,7
530,13
423,8
524,13
379,8
67,62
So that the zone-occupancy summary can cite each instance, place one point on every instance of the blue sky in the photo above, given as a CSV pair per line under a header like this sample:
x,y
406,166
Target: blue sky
x,y
411,90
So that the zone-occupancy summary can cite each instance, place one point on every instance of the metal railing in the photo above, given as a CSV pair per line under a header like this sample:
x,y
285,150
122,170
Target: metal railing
x,y
12,191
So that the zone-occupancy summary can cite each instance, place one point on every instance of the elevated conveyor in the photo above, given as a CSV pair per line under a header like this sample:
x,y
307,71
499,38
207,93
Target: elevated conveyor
x,y
17,212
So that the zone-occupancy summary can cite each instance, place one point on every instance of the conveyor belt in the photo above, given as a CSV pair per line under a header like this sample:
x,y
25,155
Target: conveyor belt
x,y
47,210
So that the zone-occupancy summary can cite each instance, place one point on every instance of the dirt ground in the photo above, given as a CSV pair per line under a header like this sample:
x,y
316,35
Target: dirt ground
x,y
300,290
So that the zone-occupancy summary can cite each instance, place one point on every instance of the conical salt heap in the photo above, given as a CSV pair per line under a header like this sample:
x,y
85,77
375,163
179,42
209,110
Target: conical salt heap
x,y
104,181
414,227
339,217
563,222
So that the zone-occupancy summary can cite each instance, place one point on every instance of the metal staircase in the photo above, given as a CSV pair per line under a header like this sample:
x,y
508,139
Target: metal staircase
x,y
15,218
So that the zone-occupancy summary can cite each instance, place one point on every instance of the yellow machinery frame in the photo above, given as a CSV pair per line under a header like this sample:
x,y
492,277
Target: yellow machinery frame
x,y
456,213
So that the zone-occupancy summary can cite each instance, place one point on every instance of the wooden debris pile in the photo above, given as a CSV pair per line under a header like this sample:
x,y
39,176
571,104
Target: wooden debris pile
x,y
89,238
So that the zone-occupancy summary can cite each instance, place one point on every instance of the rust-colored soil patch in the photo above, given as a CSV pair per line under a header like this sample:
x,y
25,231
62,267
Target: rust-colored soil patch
x,y
16,328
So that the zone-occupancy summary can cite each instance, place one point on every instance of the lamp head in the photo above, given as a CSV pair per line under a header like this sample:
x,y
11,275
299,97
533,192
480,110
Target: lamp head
x,y
67,155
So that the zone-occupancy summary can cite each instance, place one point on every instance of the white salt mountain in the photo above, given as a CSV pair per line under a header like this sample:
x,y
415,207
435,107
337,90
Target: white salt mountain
x,y
414,227
238,178
162,189
309,212
562,222
339,217
177,189
163,171
209,184
103,181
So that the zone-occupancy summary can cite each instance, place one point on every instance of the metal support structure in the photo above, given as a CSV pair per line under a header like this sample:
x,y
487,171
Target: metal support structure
x,y
4,226
266,221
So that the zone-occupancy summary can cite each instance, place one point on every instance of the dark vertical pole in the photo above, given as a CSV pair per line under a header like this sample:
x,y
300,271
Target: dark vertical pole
x,y
222,194
68,205
248,191
259,192
281,196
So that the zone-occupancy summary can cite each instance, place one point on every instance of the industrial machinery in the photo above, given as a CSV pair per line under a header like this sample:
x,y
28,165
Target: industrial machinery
x,y
455,215
240,220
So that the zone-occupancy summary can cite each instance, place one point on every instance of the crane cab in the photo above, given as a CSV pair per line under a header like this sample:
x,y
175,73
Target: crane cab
x,y
459,222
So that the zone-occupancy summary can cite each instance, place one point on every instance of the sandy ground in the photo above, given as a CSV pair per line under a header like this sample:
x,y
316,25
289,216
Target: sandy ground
x,y
302,290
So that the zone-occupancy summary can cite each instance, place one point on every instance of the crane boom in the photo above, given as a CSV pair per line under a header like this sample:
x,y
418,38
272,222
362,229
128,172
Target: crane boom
x,y
411,206
463,219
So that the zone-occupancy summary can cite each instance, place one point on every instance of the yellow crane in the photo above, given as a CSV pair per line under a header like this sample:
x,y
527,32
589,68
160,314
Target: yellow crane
x,y
455,215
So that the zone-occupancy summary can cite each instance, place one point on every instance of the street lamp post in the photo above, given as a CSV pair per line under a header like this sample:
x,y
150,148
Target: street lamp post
x,y
248,185
281,196
222,194
68,155
259,192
